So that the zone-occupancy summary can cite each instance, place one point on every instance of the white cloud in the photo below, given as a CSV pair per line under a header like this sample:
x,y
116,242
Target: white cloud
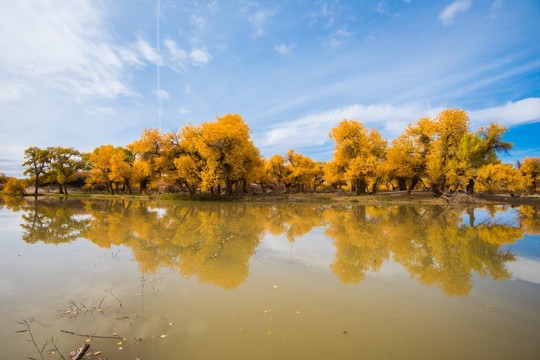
x,y
314,129
148,52
61,44
258,20
200,56
512,113
451,11
336,38
183,111
179,57
284,49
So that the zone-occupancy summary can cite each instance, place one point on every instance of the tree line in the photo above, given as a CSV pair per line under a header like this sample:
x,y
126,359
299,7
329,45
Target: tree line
x,y
439,154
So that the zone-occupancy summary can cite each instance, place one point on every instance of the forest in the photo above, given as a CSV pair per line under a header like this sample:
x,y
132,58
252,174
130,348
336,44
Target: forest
x,y
219,157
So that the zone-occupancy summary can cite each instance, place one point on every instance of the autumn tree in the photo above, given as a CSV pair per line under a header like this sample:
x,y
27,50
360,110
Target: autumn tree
x,y
404,163
154,156
14,186
530,168
229,152
358,154
64,164
302,172
499,178
475,150
37,164
111,166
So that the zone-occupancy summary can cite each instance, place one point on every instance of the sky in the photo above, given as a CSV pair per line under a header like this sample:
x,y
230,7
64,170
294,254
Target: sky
x,y
88,73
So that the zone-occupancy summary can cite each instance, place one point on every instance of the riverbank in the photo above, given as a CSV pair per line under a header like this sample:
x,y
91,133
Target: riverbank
x,y
417,197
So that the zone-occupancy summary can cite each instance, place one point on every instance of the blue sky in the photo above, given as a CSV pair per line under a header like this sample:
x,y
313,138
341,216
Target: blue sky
x,y
87,73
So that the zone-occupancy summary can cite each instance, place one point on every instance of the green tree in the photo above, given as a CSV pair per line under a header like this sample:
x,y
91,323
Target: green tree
x,y
64,165
37,164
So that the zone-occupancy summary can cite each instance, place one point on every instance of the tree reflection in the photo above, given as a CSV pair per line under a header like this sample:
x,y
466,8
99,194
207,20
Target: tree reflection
x,y
432,244
215,241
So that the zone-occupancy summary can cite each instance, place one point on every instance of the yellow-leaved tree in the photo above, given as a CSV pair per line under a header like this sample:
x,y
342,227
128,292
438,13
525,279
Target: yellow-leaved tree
x,y
358,156
530,168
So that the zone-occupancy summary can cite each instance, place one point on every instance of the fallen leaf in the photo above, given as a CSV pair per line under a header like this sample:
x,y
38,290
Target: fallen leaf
x,y
266,311
97,353
275,286
164,336
88,340
298,311
119,343
269,333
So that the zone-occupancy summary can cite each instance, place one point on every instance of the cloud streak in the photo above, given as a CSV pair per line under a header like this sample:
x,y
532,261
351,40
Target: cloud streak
x,y
451,11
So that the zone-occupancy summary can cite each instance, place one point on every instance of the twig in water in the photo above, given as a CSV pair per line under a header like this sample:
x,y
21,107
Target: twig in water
x,y
91,336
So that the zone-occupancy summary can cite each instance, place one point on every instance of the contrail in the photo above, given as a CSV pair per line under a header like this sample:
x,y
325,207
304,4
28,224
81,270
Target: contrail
x,y
158,65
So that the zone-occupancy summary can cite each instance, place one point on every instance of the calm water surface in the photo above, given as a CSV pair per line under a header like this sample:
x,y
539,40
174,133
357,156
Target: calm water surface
x,y
240,281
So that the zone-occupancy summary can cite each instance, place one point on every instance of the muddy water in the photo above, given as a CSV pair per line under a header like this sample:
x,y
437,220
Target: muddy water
x,y
240,281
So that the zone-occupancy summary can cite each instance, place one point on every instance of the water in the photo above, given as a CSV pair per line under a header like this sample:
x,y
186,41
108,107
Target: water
x,y
242,281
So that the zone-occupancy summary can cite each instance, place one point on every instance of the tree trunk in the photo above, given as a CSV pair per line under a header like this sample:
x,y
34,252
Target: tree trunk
x,y
219,189
36,187
470,187
143,185
402,184
412,185
60,190
65,189
229,187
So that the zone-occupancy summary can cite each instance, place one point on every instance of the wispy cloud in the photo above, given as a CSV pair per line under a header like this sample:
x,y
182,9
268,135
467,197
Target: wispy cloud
x,y
382,8
200,56
101,110
259,19
62,44
510,114
148,52
451,11
284,49
162,94
178,58
314,129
